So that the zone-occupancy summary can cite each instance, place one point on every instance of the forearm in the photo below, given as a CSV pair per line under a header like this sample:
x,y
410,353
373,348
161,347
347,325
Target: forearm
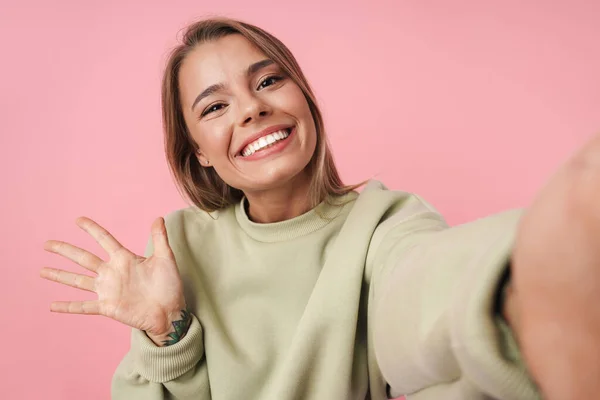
x,y
436,321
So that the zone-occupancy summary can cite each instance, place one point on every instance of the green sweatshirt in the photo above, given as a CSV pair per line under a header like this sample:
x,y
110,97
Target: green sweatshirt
x,y
338,303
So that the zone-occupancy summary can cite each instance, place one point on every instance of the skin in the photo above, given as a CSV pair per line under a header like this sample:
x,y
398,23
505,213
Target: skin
x,y
551,304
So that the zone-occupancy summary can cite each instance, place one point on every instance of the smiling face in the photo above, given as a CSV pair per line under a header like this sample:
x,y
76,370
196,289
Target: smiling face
x,y
251,122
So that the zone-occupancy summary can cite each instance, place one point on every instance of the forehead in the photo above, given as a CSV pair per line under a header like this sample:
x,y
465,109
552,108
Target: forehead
x,y
217,60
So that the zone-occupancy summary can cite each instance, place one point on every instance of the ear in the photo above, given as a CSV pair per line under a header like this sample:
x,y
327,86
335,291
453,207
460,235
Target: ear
x,y
202,159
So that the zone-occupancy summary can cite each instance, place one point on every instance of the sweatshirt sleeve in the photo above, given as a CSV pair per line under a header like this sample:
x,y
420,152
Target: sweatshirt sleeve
x,y
150,372
436,334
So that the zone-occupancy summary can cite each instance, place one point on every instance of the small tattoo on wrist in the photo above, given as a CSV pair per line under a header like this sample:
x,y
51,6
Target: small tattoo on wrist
x,y
181,327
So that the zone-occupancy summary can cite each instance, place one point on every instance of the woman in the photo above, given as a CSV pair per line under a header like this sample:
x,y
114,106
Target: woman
x,y
281,282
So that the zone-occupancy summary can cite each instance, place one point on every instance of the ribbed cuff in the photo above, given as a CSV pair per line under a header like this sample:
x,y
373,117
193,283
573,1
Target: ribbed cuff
x,y
162,364
479,339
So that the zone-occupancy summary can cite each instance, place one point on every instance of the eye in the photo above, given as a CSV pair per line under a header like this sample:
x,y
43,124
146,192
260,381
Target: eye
x,y
212,108
268,81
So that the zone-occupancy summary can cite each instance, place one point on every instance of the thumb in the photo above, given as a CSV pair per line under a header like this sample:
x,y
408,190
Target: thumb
x,y
160,241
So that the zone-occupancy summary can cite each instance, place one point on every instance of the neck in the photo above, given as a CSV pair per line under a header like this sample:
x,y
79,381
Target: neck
x,y
280,204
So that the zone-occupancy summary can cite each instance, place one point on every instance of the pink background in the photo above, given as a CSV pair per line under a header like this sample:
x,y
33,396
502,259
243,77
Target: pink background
x,y
472,106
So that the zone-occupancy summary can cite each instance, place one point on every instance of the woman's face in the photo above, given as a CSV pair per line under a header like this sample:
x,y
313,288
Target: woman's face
x,y
251,122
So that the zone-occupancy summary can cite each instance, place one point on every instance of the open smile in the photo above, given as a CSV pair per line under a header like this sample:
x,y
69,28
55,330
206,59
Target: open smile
x,y
267,144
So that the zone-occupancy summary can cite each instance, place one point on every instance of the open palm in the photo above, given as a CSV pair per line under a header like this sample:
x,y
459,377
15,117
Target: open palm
x,y
144,293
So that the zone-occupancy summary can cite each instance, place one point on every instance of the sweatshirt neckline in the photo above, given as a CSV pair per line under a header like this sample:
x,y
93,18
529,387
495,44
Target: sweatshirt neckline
x,y
304,224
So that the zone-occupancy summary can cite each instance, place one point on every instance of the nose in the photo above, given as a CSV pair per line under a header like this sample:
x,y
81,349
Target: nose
x,y
252,109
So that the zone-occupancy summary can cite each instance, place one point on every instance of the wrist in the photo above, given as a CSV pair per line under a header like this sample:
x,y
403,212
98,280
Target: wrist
x,y
506,300
509,312
177,327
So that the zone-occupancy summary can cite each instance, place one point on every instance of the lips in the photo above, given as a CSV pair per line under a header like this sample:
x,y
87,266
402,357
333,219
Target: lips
x,y
264,139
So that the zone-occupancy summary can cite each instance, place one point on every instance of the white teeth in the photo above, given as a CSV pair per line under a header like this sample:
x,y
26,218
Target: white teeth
x,y
263,142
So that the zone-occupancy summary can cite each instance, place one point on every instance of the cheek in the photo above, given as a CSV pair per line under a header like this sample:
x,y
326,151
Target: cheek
x,y
302,111
213,139
291,100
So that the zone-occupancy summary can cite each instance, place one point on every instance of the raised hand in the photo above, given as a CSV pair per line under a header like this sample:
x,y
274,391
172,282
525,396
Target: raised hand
x,y
144,293
555,301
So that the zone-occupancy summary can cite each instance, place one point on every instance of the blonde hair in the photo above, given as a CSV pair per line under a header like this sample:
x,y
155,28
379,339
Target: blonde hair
x,y
202,185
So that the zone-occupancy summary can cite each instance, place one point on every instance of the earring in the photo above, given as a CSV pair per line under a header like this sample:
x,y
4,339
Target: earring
x,y
199,154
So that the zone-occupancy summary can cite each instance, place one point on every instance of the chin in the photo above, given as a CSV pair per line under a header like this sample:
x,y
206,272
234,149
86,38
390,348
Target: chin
x,y
273,177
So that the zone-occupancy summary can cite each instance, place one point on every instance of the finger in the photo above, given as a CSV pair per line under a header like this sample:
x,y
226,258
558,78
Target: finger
x,y
78,281
82,257
101,235
160,239
91,307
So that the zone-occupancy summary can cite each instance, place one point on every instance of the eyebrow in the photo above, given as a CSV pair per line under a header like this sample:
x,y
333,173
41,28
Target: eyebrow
x,y
212,89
